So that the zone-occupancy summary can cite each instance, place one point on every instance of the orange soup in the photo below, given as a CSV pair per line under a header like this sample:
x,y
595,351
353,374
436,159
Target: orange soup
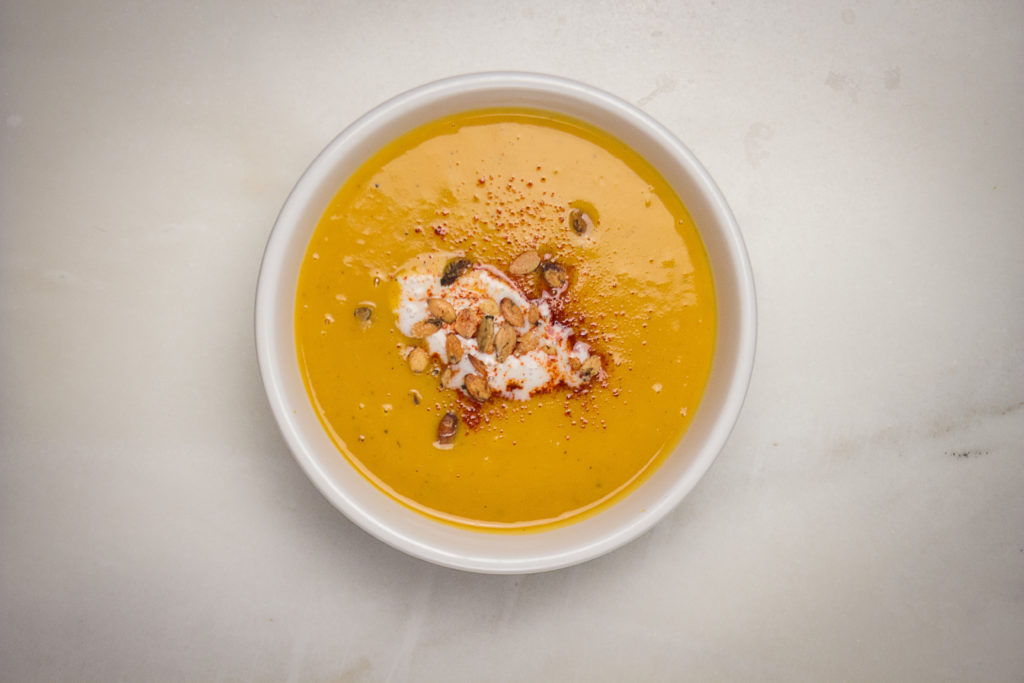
x,y
505,319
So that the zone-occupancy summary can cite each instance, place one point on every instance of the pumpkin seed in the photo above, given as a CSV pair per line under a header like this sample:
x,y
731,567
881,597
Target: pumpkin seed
x,y
525,263
441,309
504,342
453,348
580,221
476,387
418,360
454,269
478,365
465,323
447,428
485,335
425,328
488,307
512,313
591,368
528,342
554,275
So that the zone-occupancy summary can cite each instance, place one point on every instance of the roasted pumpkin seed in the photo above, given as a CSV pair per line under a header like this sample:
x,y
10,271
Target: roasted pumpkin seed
x,y
447,428
476,387
478,365
441,309
580,221
591,368
528,342
488,307
504,341
454,269
512,313
425,328
525,263
485,335
465,323
453,348
418,360
554,274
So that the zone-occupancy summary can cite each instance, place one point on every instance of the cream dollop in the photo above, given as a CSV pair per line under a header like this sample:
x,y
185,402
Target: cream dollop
x,y
517,377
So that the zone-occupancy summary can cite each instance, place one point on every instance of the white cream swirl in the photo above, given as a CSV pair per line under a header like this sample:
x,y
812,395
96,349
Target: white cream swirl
x,y
519,376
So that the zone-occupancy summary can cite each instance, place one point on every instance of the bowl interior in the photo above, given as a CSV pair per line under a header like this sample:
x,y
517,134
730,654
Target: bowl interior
x,y
410,531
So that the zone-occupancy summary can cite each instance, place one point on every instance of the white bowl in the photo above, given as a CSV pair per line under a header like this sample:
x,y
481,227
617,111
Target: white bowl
x,y
413,532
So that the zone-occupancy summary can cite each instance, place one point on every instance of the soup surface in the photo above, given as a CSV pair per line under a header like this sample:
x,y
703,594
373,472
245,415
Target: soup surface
x,y
619,312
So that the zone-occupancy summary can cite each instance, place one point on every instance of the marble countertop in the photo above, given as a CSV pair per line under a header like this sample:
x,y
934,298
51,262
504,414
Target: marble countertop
x,y
865,521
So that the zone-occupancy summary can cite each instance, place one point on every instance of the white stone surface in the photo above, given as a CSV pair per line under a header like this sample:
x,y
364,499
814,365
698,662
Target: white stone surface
x,y
865,522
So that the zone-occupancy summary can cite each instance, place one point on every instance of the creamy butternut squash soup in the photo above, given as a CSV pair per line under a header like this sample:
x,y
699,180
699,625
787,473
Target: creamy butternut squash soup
x,y
505,319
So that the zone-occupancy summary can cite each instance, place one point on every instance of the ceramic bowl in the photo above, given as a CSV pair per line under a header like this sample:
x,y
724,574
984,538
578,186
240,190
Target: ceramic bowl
x,y
413,532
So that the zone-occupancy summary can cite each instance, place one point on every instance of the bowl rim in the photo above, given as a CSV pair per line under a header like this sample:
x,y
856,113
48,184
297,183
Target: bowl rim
x,y
409,103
